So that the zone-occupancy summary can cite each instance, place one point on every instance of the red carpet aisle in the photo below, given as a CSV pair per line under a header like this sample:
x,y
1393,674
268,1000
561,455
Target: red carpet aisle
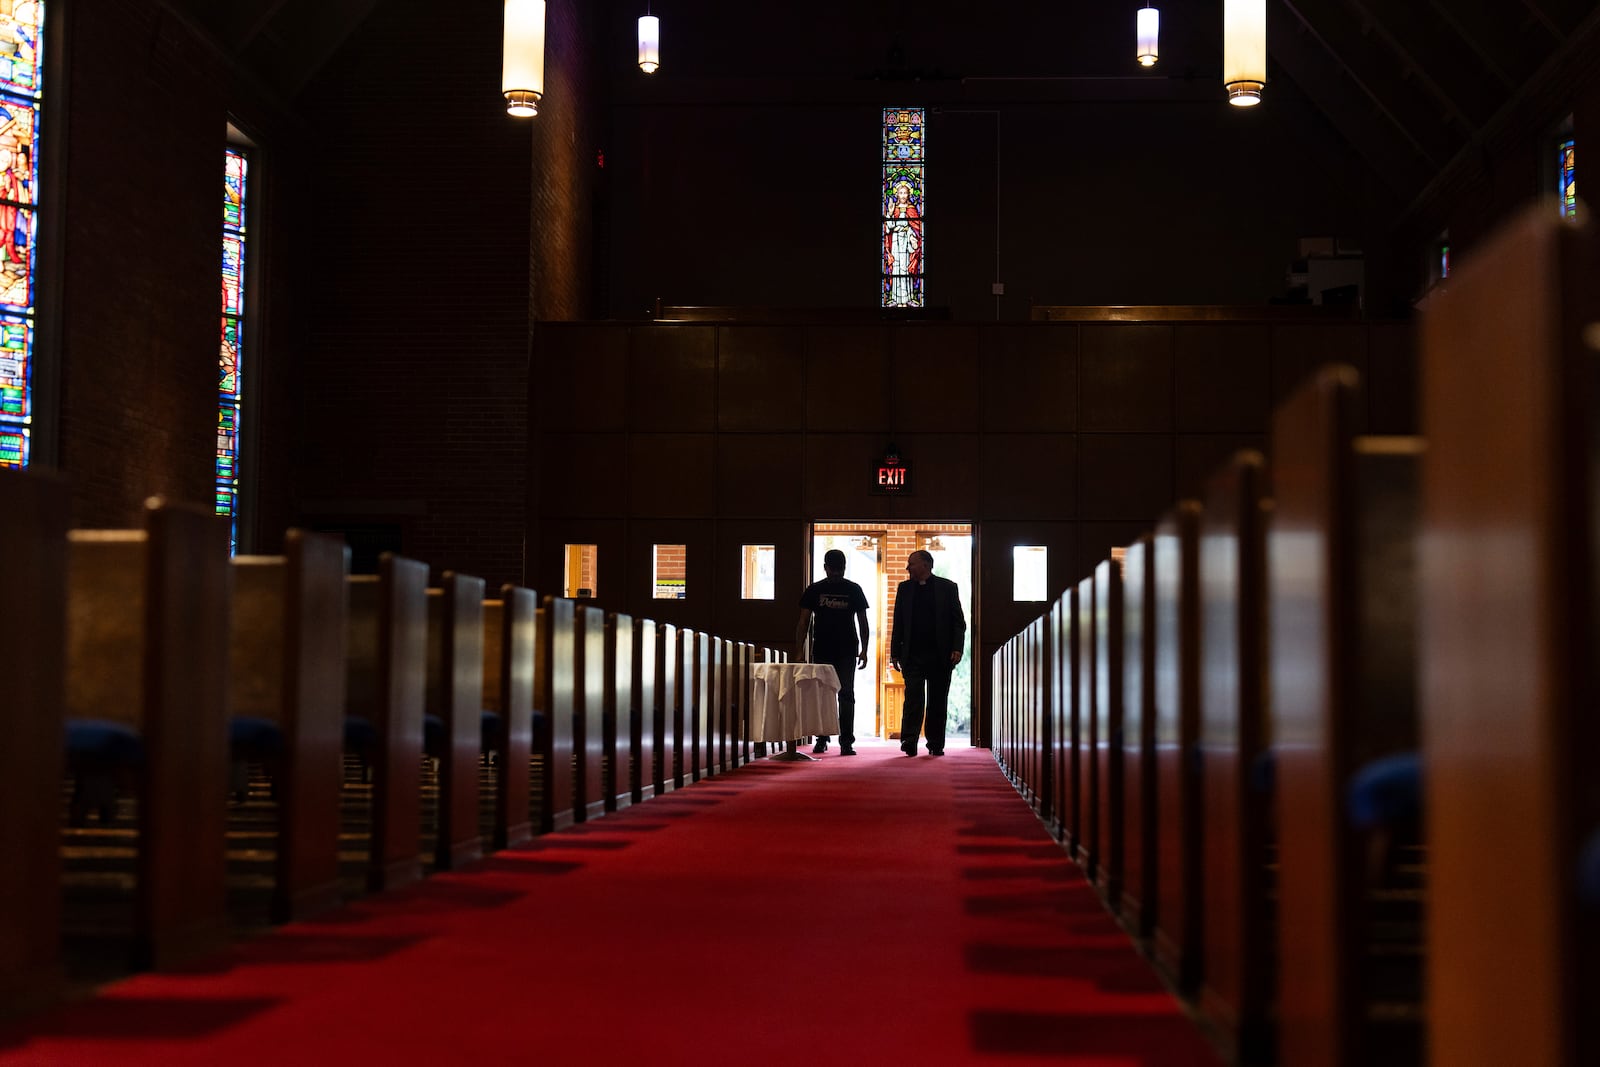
x,y
844,911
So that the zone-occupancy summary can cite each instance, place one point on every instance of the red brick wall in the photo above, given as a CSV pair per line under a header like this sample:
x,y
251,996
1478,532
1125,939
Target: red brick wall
x,y
139,269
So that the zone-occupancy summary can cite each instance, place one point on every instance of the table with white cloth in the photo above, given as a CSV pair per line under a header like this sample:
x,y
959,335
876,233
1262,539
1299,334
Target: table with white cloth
x,y
792,700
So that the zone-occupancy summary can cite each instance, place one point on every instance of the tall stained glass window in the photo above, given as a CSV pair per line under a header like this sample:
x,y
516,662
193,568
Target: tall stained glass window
x,y
234,201
902,207
20,83
1567,167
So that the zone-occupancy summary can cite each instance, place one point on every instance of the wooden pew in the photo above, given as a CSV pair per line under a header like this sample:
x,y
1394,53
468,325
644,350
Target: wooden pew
x,y
1086,774
620,713
1063,704
588,714
386,657
1235,830
510,643
645,735
454,714
33,572
286,700
1140,886
668,695
691,712
715,707
1108,729
1174,735
147,652
1341,593
556,685
1508,656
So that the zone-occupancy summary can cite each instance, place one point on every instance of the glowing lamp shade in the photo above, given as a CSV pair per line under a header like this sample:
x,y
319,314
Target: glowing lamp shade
x,y
522,68
649,43
1149,26
1244,50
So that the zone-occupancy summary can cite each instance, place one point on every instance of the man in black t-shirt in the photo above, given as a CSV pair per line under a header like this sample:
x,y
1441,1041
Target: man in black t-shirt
x,y
830,604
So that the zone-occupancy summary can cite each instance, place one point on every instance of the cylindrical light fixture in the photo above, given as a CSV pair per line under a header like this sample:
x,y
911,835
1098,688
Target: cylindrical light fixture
x,y
522,65
1149,26
1244,50
649,43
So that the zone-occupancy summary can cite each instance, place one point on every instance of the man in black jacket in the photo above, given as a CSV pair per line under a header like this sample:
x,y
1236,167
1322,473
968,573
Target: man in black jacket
x,y
925,646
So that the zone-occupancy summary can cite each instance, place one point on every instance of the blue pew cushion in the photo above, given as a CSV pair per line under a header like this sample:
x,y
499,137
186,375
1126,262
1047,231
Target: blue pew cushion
x,y
1264,773
249,735
489,724
103,742
359,734
1386,792
432,735
1589,873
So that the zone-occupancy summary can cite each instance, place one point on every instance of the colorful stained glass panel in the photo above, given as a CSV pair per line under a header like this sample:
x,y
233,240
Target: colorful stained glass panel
x,y
20,40
19,47
1567,160
235,179
903,208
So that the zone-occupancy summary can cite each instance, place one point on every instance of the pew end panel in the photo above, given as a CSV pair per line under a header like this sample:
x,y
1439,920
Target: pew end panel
x,y
147,649
510,649
1178,840
620,707
33,572
454,713
398,630
286,669
559,660
644,735
1108,729
588,726
1237,830
1509,620
1140,870
1085,727
1341,561
668,693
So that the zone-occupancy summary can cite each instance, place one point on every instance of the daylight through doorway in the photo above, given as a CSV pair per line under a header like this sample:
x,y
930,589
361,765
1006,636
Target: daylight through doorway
x,y
875,559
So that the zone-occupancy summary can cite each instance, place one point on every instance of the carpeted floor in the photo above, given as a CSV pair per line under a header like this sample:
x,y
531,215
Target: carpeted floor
x,y
848,910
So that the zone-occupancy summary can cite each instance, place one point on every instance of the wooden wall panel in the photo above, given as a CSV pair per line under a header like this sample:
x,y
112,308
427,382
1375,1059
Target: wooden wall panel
x,y
755,473
1125,378
671,474
1029,378
1028,476
760,378
583,377
854,354
935,382
1124,476
1220,378
672,379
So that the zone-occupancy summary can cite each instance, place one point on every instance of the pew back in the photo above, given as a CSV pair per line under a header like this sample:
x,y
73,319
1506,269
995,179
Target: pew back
x,y
455,695
1139,812
1509,672
33,572
1108,727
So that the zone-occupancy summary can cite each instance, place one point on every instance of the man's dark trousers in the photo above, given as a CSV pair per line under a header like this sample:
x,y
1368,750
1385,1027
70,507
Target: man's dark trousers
x,y
927,691
845,668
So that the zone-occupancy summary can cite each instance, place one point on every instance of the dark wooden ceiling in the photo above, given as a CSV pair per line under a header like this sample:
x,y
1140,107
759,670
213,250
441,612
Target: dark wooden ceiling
x,y
1411,85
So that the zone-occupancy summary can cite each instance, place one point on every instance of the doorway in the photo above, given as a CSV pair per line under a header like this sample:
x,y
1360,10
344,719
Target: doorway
x,y
875,559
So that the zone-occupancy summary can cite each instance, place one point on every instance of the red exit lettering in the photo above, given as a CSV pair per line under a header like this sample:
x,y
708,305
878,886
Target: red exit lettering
x,y
891,476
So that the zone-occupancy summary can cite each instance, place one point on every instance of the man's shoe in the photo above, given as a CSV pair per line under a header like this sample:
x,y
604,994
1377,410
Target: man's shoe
x,y
845,750
820,746
931,752
909,751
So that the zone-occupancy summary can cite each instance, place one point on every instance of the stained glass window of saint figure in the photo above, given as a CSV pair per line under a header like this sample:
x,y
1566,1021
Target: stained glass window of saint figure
x,y
1567,167
236,173
903,244
21,44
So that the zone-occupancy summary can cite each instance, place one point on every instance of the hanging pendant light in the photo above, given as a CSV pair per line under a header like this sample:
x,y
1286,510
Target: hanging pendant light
x,y
522,65
649,42
1244,50
1149,25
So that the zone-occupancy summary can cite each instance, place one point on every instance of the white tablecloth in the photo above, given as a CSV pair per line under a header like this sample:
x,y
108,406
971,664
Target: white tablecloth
x,y
793,700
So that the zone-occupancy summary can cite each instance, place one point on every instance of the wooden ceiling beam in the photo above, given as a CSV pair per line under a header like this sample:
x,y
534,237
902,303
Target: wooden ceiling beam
x,y
1376,76
1444,66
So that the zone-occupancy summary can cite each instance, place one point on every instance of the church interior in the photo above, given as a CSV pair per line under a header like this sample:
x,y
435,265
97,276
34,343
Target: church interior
x,y
1247,388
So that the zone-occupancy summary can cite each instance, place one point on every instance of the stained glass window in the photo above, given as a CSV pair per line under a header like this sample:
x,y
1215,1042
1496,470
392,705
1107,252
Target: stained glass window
x,y
902,207
21,39
234,201
1567,164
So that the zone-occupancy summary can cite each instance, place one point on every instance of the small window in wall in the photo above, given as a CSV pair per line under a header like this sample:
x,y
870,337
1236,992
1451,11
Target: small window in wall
x,y
759,567
670,572
582,566
1030,577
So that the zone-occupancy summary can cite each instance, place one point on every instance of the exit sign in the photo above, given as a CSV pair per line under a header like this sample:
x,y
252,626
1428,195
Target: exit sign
x,y
891,475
